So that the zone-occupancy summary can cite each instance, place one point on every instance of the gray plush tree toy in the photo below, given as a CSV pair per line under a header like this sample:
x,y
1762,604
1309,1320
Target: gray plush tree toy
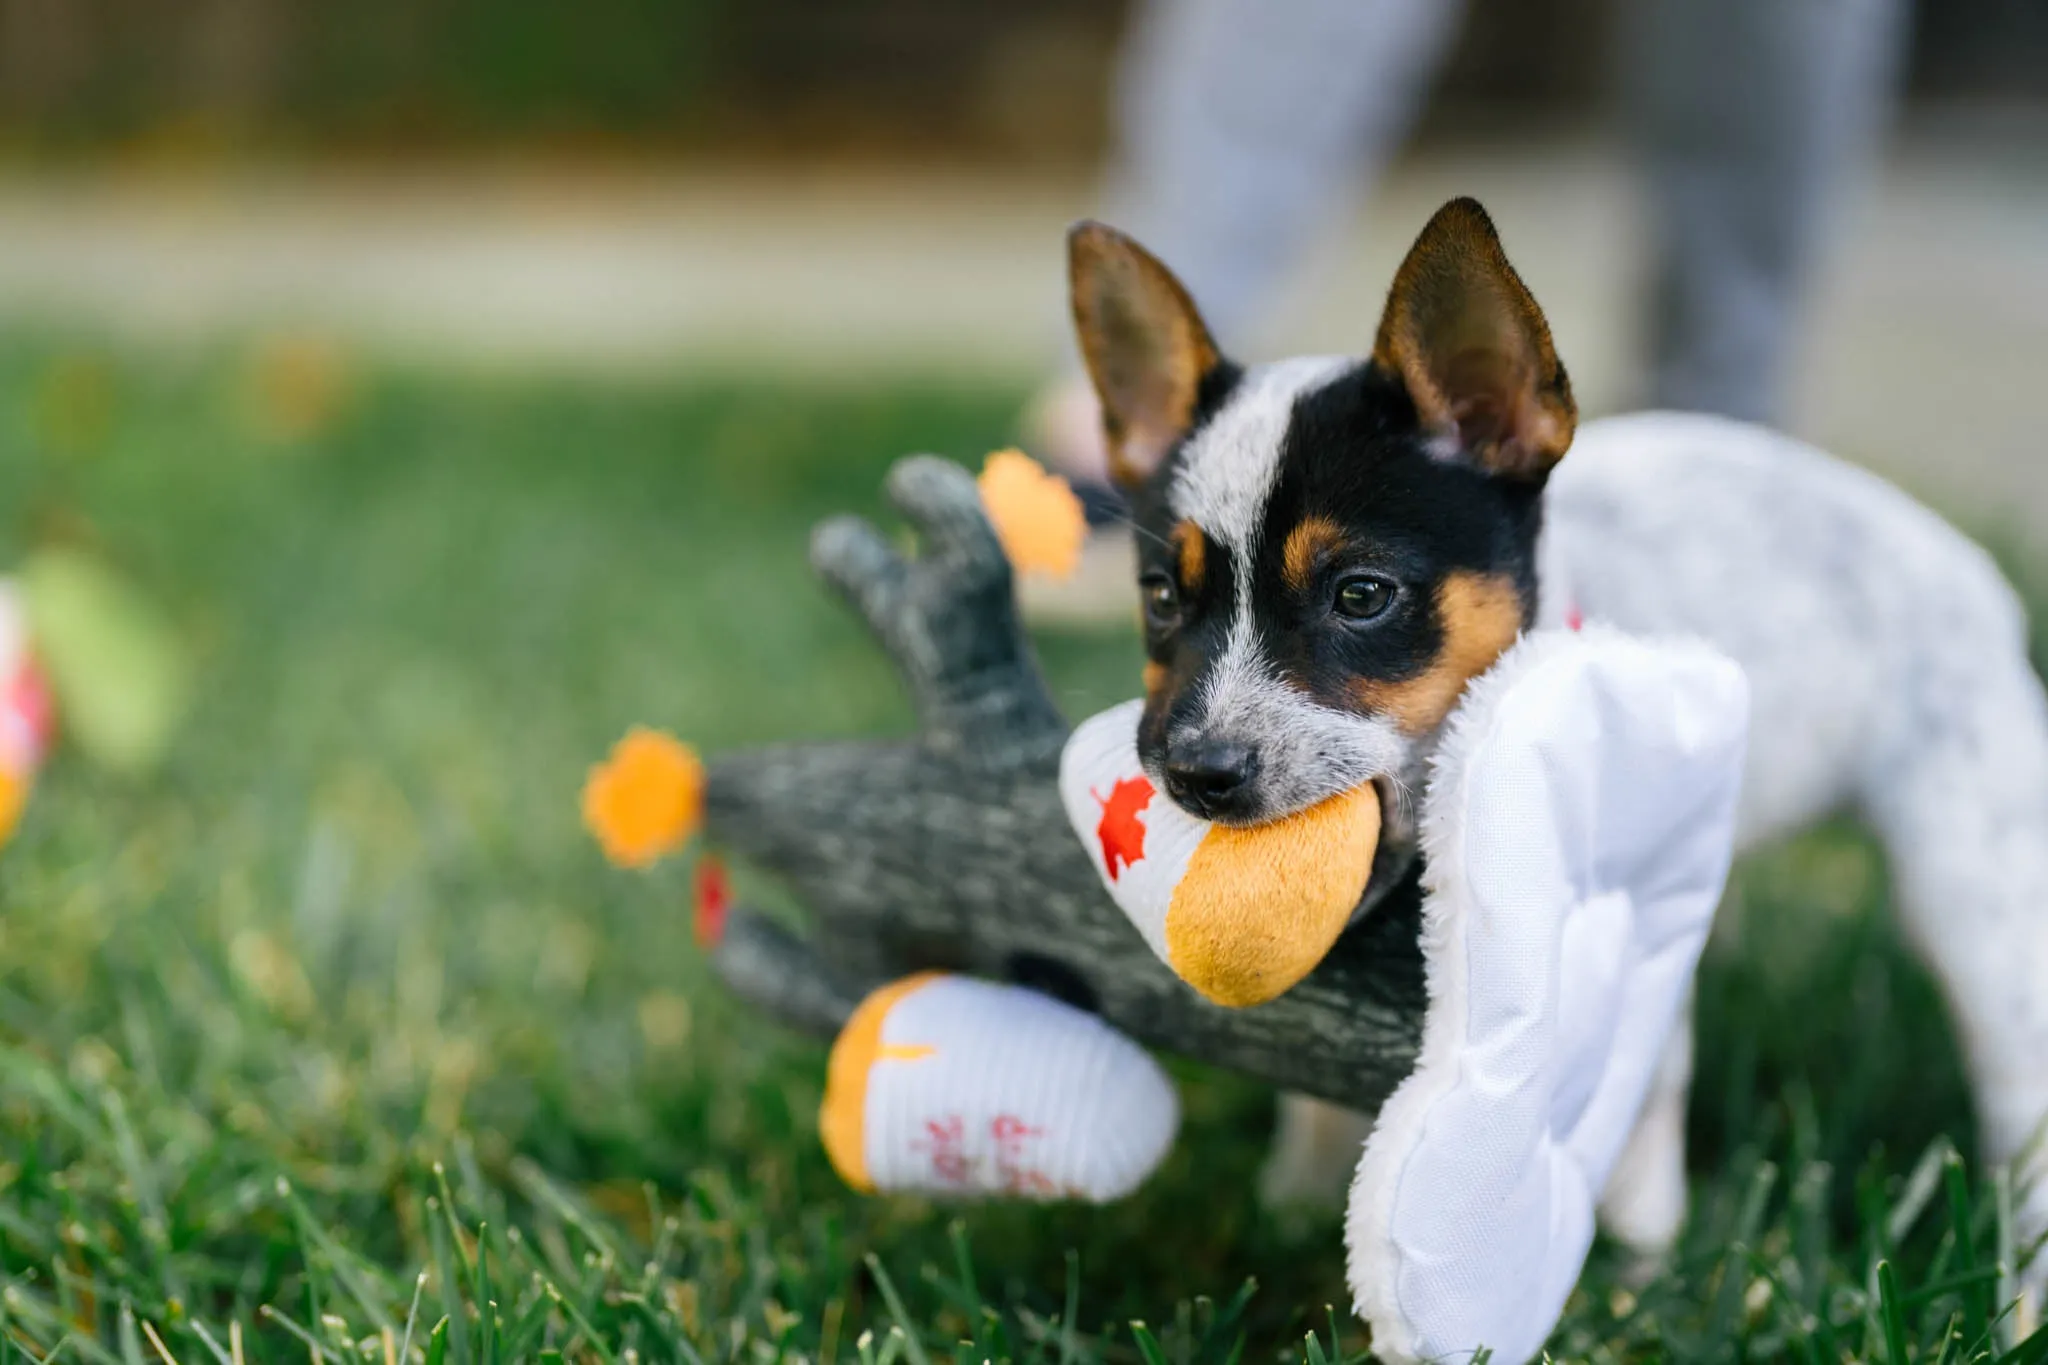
x,y
951,852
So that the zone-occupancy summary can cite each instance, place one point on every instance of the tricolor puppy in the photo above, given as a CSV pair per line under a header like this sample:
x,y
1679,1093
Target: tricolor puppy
x,y
1331,548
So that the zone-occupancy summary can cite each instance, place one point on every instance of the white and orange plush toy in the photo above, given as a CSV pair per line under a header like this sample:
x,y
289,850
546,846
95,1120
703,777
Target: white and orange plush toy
x,y
948,1085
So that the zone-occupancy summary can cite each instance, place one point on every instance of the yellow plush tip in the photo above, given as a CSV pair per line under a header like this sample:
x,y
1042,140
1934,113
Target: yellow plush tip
x,y
1036,515
1259,907
842,1116
646,799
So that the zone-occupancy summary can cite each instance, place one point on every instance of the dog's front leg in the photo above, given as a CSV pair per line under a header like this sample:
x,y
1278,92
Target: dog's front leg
x,y
1315,1149
1644,1204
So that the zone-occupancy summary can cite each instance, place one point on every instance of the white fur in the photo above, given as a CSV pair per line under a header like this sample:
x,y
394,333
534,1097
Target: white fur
x,y
1228,469
1307,750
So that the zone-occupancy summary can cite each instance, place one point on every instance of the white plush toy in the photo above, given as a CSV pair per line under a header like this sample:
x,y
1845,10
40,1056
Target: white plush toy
x,y
1577,830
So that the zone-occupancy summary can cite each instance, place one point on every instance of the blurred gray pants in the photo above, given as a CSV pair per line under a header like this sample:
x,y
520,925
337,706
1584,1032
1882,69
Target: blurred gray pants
x,y
1245,122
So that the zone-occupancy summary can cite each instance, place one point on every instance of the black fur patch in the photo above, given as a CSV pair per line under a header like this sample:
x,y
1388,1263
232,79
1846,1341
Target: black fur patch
x,y
1355,455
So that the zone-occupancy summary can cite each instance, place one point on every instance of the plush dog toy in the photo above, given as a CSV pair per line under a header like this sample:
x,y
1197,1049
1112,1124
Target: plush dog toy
x,y
1577,829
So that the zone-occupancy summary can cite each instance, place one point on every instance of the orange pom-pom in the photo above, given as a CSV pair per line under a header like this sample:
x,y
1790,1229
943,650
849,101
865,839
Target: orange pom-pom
x,y
1036,515
646,799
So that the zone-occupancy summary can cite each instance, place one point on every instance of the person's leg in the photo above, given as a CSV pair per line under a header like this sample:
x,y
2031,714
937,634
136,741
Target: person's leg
x,y
1643,1206
1240,124
1750,115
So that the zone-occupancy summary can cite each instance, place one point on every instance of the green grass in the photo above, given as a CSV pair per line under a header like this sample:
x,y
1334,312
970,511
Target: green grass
x,y
335,1034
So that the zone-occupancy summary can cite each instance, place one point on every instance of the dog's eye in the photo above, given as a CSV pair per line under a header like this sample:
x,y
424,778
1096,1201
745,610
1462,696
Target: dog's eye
x,y
1162,601
1361,597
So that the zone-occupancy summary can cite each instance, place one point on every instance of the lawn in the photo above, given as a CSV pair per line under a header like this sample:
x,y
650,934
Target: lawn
x,y
335,1037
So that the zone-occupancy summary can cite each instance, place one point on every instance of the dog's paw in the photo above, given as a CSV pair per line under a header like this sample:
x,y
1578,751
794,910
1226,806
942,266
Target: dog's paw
x,y
1315,1149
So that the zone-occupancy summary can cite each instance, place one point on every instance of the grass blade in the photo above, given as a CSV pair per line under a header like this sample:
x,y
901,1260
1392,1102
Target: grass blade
x,y
1918,1192
1962,1216
1069,1344
485,1300
582,1325
1891,1313
2007,1325
219,1352
131,1343
412,1316
284,1320
337,1258
444,1240
912,1347
1148,1345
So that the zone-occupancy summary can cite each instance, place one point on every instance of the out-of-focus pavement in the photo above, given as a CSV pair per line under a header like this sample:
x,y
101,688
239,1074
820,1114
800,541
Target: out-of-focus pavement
x,y
1927,358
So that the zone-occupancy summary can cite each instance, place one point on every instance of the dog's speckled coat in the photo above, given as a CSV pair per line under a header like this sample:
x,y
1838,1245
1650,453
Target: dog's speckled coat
x,y
1889,675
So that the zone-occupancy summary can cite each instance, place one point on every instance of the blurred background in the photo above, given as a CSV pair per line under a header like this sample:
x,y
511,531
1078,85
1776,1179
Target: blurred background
x,y
455,383
878,185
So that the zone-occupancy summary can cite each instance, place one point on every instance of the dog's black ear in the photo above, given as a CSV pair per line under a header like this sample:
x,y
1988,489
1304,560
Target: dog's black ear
x,y
1146,347
1467,339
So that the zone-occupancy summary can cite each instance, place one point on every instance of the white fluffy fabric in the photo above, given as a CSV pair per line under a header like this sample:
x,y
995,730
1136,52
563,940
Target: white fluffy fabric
x,y
1578,826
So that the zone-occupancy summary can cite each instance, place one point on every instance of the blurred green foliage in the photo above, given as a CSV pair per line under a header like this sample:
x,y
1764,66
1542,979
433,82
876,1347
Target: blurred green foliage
x,y
405,76
898,77
369,69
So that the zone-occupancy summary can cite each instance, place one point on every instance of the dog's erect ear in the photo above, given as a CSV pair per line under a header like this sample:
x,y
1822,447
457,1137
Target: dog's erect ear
x,y
1464,334
1147,348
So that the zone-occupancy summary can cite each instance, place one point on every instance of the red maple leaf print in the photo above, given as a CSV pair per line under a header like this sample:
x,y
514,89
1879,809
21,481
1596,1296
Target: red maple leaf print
x,y
1122,833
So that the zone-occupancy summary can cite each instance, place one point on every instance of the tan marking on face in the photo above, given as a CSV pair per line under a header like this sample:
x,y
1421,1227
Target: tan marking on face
x,y
1193,552
1313,538
1481,614
1155,678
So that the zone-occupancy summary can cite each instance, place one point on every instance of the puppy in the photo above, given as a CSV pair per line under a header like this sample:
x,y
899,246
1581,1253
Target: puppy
x,y
1331,548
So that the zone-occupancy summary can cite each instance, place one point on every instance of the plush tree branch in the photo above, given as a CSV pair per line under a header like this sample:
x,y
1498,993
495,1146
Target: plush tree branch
x,y
951,850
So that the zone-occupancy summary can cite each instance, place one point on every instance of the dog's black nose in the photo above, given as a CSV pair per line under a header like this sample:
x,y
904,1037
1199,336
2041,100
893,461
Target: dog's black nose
x,y
1211,778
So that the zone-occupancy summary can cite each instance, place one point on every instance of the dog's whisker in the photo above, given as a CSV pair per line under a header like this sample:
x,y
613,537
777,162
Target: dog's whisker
x,y
1126,520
